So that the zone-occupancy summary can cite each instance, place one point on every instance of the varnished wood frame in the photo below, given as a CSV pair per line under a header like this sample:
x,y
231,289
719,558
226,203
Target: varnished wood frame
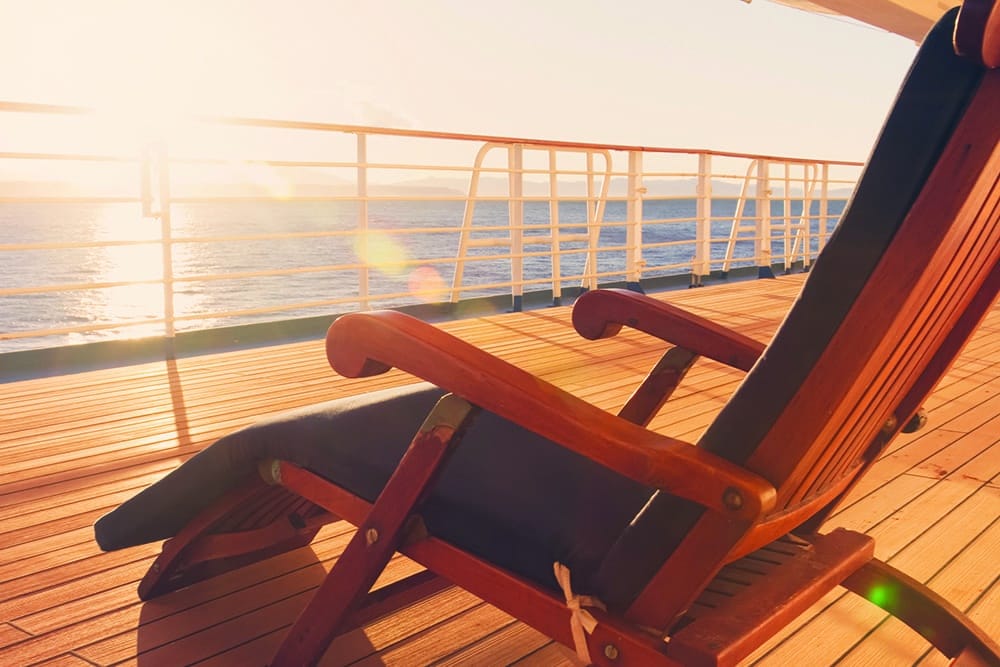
x,y
370,343
963,184
363,344
200,551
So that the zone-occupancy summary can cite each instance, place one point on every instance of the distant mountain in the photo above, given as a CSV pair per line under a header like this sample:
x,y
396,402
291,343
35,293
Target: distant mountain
x,y
38,189
425,187
497,186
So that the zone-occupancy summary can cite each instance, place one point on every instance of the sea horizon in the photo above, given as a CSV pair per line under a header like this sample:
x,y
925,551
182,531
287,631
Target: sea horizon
x,y
404,242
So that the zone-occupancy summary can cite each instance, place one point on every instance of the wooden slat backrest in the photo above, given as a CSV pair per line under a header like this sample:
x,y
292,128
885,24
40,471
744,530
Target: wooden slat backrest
x,y
952,231
832,394
917,244
900,334
939,260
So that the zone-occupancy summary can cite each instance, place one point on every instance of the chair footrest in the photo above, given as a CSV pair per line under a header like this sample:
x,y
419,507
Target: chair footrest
x,y
754,597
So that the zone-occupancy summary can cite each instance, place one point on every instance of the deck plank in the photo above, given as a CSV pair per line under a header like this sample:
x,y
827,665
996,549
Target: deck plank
x,y
75,446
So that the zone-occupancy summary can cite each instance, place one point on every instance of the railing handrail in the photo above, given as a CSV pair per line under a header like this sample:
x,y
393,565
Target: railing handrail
x,y
277,123
587,241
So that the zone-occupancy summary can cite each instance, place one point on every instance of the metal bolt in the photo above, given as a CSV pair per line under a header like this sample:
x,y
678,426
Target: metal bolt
x,y
890,425
371,536
610,651
732,499
917,422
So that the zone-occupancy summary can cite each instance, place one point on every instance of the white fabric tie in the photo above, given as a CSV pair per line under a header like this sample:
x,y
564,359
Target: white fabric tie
x,y
580,621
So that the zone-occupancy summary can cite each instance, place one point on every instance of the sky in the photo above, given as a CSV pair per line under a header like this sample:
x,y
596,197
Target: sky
x,y
715,74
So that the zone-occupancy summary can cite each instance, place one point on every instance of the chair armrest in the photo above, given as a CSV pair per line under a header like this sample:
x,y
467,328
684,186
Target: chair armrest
x,y
362,344
601,314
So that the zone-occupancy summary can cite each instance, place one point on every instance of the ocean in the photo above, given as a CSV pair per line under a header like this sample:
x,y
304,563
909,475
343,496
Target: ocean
x,y
401,259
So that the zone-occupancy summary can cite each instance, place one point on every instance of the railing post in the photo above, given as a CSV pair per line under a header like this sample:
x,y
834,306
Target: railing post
x,y
146,158
633,222
762,244
824,206
554,229
595,216
702,265
809,175
166,243
589,281
515,164
737,226
465,236
786,248
363,245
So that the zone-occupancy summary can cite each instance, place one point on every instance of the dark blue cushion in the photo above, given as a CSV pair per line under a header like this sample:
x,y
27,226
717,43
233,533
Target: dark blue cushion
x,y
505,494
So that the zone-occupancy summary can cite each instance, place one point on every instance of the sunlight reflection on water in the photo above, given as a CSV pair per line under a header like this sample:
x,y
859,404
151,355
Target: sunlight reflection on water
x,y
141,265
136,257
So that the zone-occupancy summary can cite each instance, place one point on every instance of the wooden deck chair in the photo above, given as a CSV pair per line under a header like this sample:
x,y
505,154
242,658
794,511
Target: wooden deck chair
x,y
598,532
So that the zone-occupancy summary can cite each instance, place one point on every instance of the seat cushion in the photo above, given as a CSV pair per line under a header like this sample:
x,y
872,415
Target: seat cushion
x,y
505,494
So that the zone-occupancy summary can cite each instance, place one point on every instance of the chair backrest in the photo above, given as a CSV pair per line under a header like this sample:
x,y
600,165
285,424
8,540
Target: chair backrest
x,y
913,259
914,247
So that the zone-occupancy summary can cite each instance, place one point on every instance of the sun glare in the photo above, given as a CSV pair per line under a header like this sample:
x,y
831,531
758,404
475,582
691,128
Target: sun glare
x,y
144,66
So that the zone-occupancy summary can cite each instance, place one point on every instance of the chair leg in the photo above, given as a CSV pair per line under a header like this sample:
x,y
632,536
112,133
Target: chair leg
x,y
659,384
346,586
943,625
250,523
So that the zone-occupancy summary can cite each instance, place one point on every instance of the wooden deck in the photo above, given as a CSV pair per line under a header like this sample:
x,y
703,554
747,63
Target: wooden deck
x,y
75,446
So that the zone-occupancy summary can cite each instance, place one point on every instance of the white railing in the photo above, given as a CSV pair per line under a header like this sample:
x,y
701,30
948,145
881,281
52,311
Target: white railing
x,y
196,230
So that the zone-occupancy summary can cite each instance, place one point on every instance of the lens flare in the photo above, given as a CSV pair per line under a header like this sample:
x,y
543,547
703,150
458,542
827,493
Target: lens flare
x,y
427,284
381,252
882,595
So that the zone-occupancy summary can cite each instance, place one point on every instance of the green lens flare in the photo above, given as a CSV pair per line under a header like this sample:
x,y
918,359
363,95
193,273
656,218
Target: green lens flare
x,y
882,595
